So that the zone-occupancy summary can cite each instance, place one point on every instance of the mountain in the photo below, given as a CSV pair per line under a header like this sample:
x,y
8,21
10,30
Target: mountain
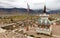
x,y
13,10
54,11
24,10
48,12
20,10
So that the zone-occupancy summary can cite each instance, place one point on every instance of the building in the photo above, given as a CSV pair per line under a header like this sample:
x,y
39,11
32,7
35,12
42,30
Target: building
x,y
45,25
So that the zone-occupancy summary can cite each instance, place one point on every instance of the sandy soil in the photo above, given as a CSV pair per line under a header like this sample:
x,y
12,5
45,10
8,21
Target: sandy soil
x,y
55,33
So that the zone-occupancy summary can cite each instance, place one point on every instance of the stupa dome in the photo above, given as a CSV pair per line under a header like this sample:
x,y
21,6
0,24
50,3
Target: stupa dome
x,y
44,21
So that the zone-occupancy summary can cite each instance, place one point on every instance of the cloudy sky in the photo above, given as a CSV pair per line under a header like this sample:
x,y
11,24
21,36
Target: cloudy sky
x,y
34,4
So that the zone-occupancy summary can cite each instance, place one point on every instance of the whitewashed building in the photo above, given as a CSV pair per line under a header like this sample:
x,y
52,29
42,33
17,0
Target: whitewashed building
x,y
45,25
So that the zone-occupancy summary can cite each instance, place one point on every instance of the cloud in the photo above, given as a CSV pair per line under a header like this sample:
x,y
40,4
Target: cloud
x,y
34,4
53,4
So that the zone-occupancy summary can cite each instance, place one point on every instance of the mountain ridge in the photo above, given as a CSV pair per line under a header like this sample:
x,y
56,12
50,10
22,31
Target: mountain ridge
x,y
20,10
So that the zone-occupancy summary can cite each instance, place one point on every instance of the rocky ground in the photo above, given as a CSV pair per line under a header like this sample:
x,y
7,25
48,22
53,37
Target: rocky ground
x,y
10,34
17,34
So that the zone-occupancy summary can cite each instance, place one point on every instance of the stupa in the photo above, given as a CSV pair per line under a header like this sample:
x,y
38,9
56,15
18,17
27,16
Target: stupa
x,y
43,20
45,25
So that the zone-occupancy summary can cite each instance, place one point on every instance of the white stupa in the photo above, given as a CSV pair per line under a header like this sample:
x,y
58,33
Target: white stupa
x,y
45,25
43,20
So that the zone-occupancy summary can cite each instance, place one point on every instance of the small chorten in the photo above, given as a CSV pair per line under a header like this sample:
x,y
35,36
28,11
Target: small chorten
x,y
45,25
43,20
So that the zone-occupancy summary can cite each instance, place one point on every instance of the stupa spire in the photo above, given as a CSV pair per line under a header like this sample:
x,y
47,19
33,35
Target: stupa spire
x,y
44,9
28,8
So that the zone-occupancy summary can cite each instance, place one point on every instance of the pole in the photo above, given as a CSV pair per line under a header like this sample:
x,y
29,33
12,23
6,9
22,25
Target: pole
x,y
28,8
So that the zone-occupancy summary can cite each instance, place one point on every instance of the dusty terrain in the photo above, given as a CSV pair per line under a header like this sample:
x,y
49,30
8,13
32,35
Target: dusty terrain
x,y
10,34
55,34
